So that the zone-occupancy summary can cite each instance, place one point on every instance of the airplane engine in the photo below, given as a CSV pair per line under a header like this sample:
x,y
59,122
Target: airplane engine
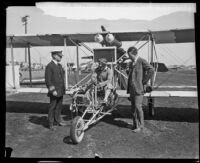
x,y
112,41
98,38
110,38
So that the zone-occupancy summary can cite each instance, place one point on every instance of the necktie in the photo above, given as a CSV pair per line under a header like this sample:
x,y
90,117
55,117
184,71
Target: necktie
x,y
60,69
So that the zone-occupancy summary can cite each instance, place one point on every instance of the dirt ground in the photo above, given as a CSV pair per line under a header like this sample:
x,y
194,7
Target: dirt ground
x,y
172,133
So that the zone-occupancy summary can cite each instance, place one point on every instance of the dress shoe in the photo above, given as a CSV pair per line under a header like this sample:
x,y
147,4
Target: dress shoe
x,y
129,126
137,130
62,124
52,128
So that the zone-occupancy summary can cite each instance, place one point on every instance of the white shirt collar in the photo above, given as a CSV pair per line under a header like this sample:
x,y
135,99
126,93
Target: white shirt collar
x,y
55,61
136,58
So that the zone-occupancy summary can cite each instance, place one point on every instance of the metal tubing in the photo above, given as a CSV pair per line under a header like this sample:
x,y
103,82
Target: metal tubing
x,y
151,99
66,69
29,63
77,62
12,60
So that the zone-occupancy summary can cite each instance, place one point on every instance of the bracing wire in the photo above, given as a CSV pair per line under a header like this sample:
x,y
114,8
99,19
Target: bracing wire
x,y
173,56
135,45
78,45
169,76
140,39
148,50
30,45
169,50
39,53
156,69
170,57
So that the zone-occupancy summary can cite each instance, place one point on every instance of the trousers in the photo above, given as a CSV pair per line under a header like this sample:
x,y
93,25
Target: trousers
x,y
136,110
55,109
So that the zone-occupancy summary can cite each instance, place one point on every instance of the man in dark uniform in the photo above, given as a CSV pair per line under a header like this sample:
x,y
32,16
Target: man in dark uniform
x,y
54,79
140,73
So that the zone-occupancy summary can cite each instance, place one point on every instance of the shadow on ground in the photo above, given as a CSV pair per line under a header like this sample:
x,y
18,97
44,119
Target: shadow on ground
x,y
31,107
39,120
161,113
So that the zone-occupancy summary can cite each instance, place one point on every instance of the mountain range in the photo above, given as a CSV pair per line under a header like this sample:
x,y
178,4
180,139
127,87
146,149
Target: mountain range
x,y
39,23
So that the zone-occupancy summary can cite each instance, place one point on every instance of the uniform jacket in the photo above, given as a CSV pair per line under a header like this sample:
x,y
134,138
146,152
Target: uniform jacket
x,y
139,74
54,76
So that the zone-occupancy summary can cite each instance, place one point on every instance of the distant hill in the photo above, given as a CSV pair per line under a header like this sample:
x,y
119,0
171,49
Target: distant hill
x,y
39,23
174,20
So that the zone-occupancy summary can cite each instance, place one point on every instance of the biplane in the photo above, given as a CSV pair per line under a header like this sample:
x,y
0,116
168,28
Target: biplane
x,y
111,49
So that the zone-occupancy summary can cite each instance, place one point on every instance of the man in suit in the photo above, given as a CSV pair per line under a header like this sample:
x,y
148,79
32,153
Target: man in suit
x,y
140,73
54,79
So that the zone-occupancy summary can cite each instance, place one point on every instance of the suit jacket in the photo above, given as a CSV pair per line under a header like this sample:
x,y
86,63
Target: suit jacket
x,y
139,74
54,77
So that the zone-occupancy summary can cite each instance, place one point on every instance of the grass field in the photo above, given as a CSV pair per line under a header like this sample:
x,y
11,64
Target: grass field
x,y
172,133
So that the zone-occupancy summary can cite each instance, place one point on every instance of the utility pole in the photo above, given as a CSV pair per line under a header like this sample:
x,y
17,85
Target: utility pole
x,y
25,22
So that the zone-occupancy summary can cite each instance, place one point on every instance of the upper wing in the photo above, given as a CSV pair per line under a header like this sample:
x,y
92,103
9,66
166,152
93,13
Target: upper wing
x,y
174,36
20,41
168,36
160,37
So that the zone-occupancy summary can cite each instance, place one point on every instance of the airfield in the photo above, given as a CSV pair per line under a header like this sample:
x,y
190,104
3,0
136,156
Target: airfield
x,y
172,133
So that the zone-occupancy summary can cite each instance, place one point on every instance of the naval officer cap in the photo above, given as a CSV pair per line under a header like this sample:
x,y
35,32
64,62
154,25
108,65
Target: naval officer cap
x,y
59,53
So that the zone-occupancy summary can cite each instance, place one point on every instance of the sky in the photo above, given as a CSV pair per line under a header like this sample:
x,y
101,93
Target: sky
x,y
113,11
42,15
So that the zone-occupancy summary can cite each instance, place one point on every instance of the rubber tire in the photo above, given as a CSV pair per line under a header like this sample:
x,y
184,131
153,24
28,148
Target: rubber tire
x,y
73,130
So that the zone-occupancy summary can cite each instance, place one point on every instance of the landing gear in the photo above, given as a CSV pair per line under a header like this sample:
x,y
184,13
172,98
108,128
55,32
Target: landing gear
x,y
151,106
77,130
89,112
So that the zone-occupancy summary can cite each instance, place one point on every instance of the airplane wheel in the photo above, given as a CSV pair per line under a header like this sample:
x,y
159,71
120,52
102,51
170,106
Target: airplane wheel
x,y
76,131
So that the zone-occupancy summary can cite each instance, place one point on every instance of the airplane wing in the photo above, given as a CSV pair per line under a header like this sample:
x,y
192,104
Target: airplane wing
x,y
174,36
167,36
122,93
160,37
21,41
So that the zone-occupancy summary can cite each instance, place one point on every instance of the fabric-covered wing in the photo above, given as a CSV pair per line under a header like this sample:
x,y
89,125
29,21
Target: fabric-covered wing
x,y
20,41
168,36
131,36
160,37
174,36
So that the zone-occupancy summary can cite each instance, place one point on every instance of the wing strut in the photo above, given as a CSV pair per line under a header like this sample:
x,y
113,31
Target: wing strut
x,y
29,64
12,59
77,62
150,99
66,73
